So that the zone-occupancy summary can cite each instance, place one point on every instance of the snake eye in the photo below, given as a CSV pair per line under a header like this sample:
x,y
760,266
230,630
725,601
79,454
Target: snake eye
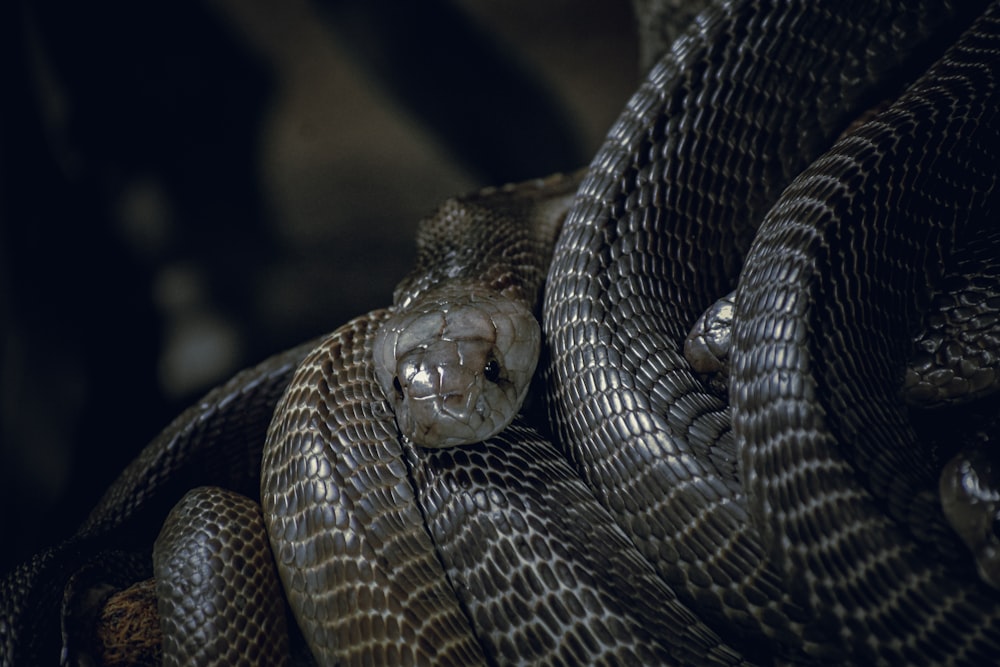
x,y
398,387
492,370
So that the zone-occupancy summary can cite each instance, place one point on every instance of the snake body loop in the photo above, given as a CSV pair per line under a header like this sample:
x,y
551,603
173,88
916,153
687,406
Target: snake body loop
x,y
795,523
831,402
463,549
672,202
217,442
198,566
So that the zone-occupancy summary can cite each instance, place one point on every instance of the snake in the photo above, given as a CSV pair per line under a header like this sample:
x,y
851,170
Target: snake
x,y
626,512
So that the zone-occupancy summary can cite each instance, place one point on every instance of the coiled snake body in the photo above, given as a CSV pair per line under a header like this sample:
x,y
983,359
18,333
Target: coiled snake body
x,y
797,522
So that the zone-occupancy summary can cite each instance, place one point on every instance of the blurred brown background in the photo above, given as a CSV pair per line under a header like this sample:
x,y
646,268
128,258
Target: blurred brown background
x,y
189,187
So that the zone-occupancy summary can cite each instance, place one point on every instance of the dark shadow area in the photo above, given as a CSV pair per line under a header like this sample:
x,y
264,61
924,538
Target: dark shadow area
x,y
106,100
151,91
452,75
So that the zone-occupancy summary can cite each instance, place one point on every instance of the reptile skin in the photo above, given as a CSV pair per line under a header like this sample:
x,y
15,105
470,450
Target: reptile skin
x,y
631,514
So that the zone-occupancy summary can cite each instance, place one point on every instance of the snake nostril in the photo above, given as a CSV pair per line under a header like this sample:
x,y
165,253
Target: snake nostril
x,y
398,387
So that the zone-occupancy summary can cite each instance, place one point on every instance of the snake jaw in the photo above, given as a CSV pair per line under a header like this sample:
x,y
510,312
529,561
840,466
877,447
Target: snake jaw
x,y
457,368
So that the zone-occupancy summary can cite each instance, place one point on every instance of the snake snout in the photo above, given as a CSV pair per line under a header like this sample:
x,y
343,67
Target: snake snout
x,y
442,395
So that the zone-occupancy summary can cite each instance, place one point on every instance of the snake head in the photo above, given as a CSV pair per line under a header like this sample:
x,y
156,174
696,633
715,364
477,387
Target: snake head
x,y
970,497
457,367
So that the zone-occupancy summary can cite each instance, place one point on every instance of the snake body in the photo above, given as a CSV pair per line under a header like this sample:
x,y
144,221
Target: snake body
x,y
470,566
661,207
794,523
854,453
217,442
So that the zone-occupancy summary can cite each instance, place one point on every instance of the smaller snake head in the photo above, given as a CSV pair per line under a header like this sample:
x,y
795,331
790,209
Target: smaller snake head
x,y
970,497
457,367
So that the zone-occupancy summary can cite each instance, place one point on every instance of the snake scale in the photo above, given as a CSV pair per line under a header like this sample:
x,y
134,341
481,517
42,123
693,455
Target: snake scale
x,y
630,514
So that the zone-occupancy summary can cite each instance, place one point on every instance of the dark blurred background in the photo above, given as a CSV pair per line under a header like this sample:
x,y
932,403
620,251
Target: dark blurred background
x,y
188,187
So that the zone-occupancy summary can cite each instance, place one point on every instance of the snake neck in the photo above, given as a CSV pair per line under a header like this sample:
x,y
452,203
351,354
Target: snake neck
x,y
499,239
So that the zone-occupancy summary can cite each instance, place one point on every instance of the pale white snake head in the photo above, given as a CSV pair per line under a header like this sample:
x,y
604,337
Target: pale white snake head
x,y
456,367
